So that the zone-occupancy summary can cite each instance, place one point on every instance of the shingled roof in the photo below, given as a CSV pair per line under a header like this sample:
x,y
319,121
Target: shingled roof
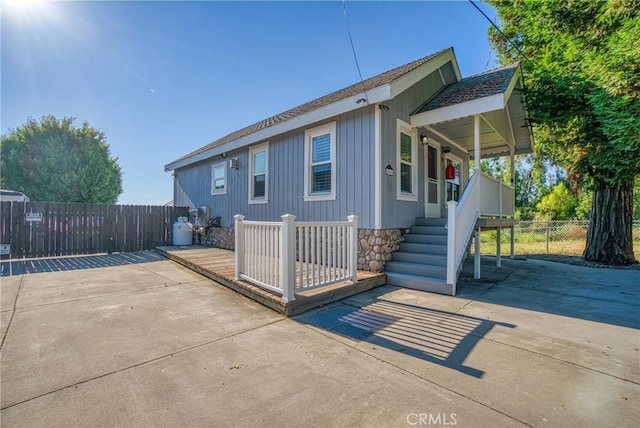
x,y
357,88
471,88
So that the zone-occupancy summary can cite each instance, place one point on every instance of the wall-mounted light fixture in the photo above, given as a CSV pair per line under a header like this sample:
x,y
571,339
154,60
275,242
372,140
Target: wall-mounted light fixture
x,y
383,107
361,100
424,139
233,163
446,149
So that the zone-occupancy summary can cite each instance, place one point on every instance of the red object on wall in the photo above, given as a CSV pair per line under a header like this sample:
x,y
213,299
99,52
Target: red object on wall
x,y
450,172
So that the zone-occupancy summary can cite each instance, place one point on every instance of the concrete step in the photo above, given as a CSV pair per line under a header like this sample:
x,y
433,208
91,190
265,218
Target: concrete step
x,y
429,230
416,282
410,247
428,259
419,269
431,221
426,239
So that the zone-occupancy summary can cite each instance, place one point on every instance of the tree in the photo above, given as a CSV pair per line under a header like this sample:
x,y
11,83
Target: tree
x,y
560,204
52,161
582,86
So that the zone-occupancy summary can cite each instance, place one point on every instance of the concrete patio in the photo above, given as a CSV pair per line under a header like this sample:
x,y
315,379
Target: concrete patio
x,y
154,344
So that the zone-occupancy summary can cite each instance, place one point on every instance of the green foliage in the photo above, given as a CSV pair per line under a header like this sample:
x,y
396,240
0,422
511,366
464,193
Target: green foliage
x,y
560,204
52,161
582,78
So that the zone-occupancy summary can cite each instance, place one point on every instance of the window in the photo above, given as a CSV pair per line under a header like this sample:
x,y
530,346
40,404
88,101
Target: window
x,y
258,173
320,159
219,178
407,165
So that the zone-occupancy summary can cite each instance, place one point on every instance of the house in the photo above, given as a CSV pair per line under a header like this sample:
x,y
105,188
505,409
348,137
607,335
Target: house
x,y
13,196
395,150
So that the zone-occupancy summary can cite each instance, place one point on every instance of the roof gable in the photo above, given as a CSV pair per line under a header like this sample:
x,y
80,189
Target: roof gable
x,y
471,88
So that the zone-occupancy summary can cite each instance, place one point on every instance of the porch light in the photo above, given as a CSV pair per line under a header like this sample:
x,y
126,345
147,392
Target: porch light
x,y
424,139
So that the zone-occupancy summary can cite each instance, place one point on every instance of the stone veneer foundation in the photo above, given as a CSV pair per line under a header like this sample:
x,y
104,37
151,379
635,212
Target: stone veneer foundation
x,y
374,245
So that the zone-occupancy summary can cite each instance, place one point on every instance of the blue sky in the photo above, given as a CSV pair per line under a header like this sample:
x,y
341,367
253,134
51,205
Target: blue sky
x,y
161,79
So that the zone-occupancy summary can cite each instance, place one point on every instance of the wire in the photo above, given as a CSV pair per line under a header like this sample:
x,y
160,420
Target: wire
x,y
353,49
499,30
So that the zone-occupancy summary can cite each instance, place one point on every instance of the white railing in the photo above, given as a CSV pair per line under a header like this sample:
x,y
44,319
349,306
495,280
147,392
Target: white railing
x,y
497,197
484,196
290,256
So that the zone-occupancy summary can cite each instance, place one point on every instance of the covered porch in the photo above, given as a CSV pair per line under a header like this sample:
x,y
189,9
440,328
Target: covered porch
x,y
479,117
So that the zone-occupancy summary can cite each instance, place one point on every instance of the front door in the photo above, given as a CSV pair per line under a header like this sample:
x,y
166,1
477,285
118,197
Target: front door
x,y
432,185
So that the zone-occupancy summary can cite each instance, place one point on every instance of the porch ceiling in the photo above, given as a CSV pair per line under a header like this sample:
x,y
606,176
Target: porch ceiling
x,y
497,97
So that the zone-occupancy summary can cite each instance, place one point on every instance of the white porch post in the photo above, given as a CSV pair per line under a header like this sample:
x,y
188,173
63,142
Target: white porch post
x,y
513,243
239,245
513,184
476,256
353,248
498,248
476,142
288,258
476,158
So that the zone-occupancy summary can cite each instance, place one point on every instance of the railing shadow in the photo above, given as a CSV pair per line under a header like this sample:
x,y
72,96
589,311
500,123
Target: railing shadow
x,y
439,337
57,264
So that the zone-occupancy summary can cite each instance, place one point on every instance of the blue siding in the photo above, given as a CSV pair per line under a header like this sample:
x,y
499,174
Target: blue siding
x,y
354,168
395,213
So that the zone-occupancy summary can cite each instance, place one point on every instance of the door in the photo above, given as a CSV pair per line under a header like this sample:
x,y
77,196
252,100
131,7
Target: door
x,y
432,185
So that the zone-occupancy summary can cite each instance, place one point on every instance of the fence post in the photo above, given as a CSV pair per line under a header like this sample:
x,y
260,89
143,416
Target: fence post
x,y
239,245
353,248
547,224
451,244
288,258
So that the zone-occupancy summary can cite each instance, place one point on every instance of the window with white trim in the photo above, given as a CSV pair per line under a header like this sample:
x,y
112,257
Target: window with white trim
x,y
259,174
320,163
407,162
219,178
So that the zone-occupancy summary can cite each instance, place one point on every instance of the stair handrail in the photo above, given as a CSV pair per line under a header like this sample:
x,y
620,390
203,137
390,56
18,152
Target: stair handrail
x,y
462,217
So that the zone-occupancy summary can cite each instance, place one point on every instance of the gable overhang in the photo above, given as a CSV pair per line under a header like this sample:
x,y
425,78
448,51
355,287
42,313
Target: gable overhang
x,y
376,95
504,128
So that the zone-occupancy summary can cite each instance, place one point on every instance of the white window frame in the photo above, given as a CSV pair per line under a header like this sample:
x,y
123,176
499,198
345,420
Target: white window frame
x,y
403,127
264,147
309,134
215,166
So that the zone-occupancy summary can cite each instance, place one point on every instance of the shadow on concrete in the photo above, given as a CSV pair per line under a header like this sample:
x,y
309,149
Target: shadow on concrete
x,y
440,337
605,295
20,267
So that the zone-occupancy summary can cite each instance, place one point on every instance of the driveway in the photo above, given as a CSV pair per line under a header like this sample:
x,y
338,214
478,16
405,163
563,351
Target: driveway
x,y
153,344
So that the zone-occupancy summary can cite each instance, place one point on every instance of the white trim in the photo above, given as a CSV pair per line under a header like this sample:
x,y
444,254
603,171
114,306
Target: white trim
x,y
433,210
458,111
264,147
414,76
377,196
403,127
329,128
215,166
375,95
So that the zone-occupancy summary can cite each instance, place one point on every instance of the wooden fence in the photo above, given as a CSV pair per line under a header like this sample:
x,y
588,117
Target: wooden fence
x,y
46,229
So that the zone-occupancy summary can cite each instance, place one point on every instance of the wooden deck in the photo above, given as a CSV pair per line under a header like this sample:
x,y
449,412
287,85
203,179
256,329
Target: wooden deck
x,y
218,265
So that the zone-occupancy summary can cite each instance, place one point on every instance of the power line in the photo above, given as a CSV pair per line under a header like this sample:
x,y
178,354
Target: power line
x,y
353,49
499,31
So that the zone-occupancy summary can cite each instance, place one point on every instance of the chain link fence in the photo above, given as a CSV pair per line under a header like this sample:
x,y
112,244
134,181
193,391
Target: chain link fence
x,y
547,237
